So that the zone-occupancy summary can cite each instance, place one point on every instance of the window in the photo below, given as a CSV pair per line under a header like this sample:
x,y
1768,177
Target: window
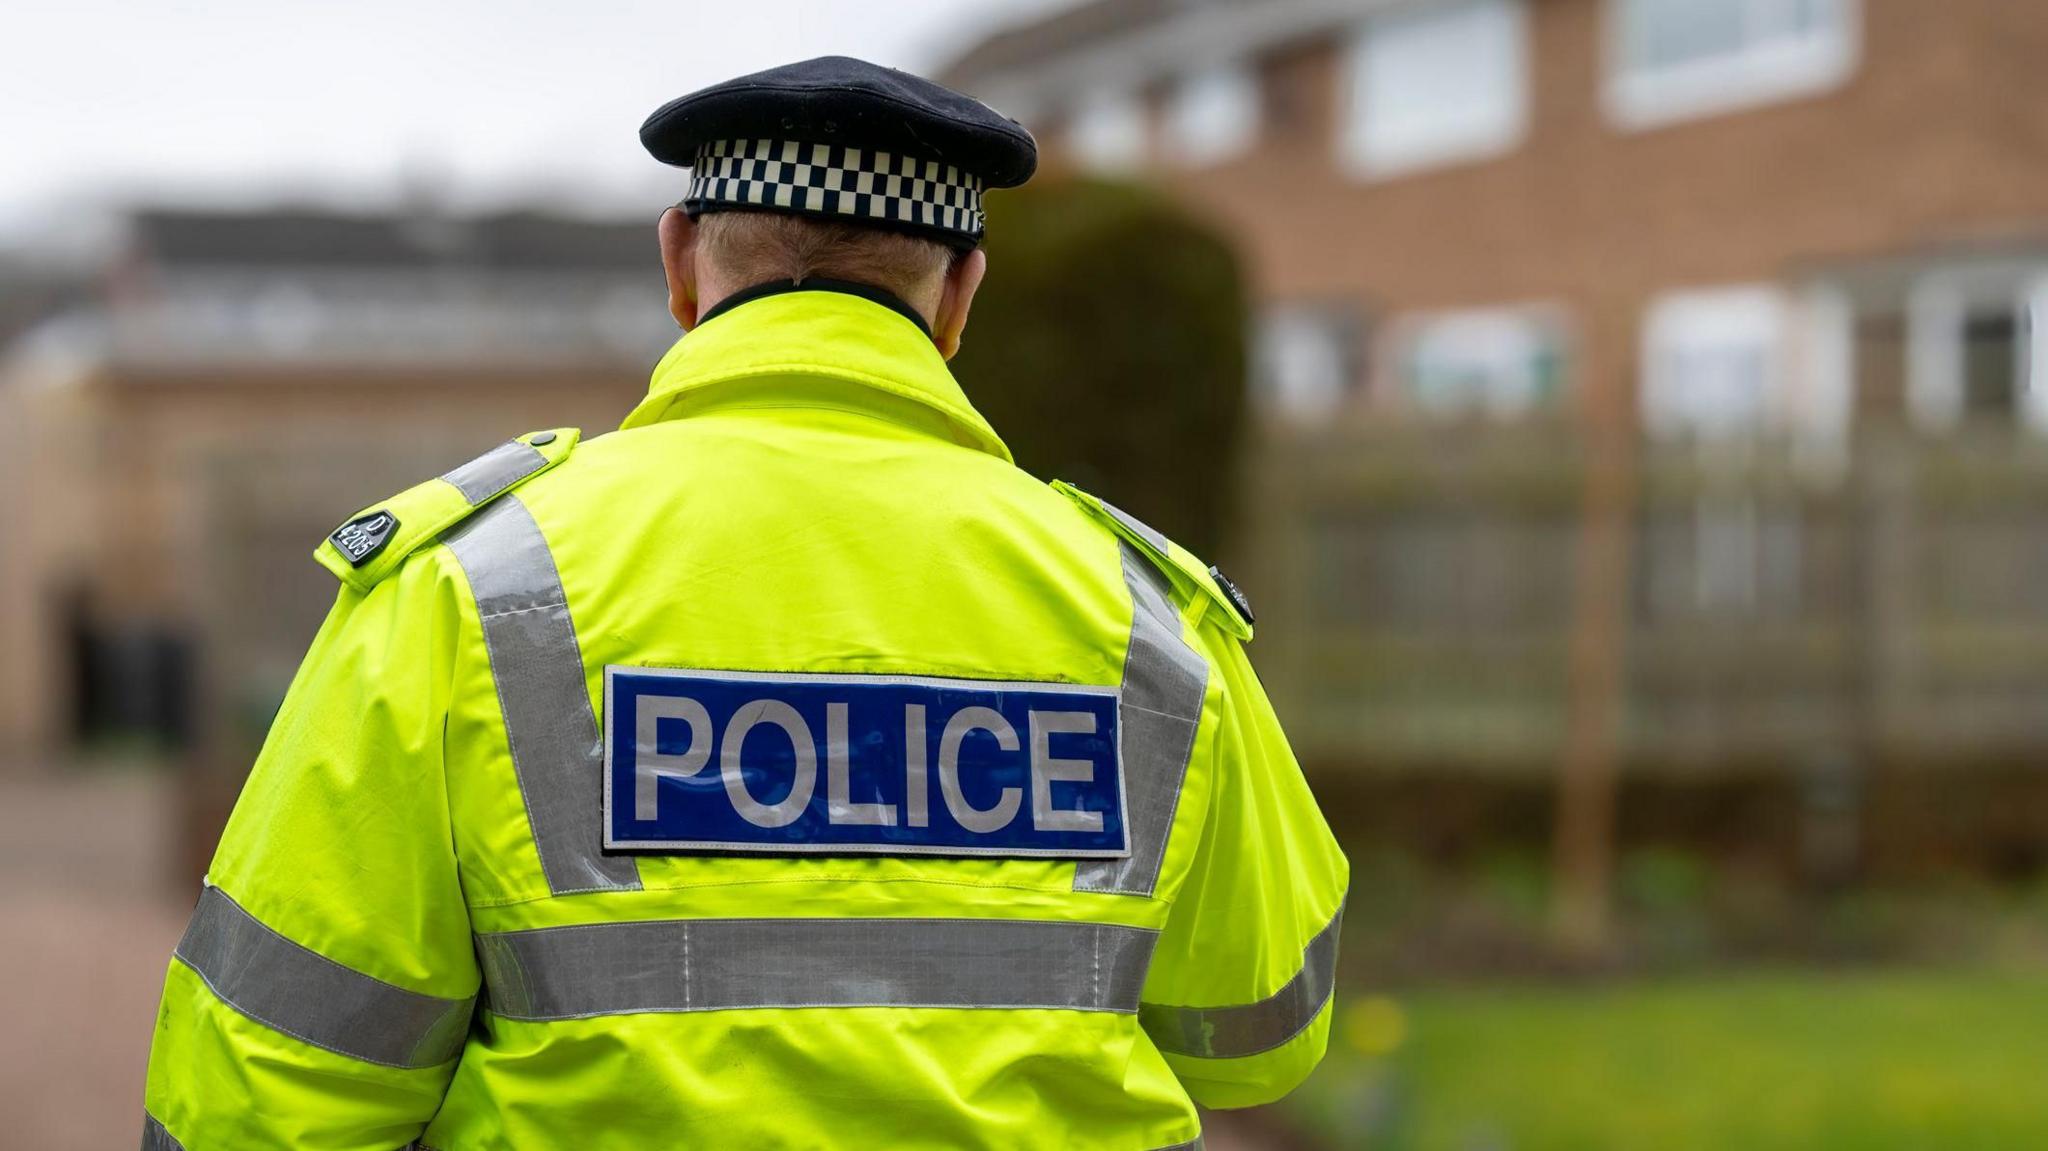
x,y
1973,344
1435,85
1214,114
1498,362
1678,59
1713,362
1306,360
1992,340
1108,132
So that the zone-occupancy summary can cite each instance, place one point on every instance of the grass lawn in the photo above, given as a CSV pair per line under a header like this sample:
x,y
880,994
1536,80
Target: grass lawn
x,y
1812,1061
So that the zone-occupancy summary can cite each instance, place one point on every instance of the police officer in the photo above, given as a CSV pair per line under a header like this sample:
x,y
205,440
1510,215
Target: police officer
x,y
786,769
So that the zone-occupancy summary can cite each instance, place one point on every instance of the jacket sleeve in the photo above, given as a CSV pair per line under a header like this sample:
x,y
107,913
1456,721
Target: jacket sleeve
x,y
323,990
1240,991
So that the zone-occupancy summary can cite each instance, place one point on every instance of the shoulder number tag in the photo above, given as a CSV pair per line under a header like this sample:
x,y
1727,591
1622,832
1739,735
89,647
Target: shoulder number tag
x,y
360,539
733,762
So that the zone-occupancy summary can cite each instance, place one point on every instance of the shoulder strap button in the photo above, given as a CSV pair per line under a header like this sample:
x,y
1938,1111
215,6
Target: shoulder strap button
x,y
1192,576
1238,599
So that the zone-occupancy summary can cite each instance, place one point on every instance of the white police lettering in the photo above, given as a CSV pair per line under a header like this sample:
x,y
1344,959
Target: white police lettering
x,y
1024,769
650,762
844,812
1047,769
917,806
805,782
978,820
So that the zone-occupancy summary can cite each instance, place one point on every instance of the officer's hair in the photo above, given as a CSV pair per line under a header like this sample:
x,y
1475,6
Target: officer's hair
x,y
759,247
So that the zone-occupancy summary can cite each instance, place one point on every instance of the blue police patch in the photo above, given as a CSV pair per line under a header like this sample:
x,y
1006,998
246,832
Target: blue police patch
x,y
860,764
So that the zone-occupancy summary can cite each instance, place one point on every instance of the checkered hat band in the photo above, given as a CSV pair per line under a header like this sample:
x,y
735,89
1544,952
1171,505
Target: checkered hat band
x,y
831,180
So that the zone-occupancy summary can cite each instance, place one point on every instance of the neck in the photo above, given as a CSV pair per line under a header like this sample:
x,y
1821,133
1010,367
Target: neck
x,y
734,299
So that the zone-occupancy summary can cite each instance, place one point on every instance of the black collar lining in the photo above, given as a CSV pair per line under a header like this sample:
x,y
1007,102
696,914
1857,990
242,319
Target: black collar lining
x,y
867,292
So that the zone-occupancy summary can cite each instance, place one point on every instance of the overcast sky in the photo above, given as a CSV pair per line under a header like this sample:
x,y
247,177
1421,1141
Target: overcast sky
x,y
361,102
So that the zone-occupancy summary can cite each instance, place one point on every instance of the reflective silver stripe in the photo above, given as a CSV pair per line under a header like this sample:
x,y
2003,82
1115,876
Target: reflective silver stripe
x,y
495,470
1248,1029
1194,1144
310,997
733,964
538,667
155,1138
1143,530
1158,710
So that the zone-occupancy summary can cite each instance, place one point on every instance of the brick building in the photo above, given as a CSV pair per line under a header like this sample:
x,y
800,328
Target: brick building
x,y
1726,215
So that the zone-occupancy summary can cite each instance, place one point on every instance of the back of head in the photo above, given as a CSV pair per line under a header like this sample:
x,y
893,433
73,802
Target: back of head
x,y
749,248
834,169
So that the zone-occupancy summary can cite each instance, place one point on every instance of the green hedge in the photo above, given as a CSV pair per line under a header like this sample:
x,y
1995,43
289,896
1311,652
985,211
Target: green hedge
x,y
1108,348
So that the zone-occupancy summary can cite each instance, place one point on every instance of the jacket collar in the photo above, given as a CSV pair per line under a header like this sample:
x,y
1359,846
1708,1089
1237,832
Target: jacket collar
x,y
797,340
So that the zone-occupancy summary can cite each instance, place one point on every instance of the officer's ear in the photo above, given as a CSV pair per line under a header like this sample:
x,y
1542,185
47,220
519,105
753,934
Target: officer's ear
x,y
679,260
962,279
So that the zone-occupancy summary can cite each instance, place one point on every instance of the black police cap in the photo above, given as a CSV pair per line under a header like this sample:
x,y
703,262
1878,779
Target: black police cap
x,y
840,137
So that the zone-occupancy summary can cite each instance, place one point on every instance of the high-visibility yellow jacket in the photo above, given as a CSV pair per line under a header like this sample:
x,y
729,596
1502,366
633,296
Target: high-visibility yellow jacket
x,y
414,930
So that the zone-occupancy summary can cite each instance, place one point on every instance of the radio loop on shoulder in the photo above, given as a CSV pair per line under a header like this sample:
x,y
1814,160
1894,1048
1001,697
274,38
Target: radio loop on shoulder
x,y
1192,578
371,544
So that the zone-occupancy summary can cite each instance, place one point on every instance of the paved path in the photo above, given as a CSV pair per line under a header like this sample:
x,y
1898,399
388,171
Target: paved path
x,y
87,921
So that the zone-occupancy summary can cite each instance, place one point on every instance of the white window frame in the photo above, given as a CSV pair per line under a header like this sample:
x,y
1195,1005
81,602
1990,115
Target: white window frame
x,y
2034,399
1327,330
1543,323
1718,315
1373,159
1821,406
1639,99
1200,134
1107,130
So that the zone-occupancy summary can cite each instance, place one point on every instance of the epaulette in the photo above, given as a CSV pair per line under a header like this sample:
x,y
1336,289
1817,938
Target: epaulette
x,y
1187,573
372,543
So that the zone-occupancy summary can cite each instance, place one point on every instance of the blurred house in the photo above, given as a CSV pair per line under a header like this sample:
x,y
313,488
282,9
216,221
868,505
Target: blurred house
x,y
232,386
1499,208
1770,267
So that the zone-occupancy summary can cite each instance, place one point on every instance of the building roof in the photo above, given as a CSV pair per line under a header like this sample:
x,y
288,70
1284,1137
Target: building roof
x,y
31,291
1023,45
1128,43
308,239
398,292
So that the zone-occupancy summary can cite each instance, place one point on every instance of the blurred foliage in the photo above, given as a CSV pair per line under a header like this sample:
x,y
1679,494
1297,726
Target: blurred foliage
x,y
1411,924
1774,1061
1663,881
1108,349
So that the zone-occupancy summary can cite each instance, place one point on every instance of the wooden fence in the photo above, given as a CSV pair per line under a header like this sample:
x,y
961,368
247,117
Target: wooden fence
x,y
1885,600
